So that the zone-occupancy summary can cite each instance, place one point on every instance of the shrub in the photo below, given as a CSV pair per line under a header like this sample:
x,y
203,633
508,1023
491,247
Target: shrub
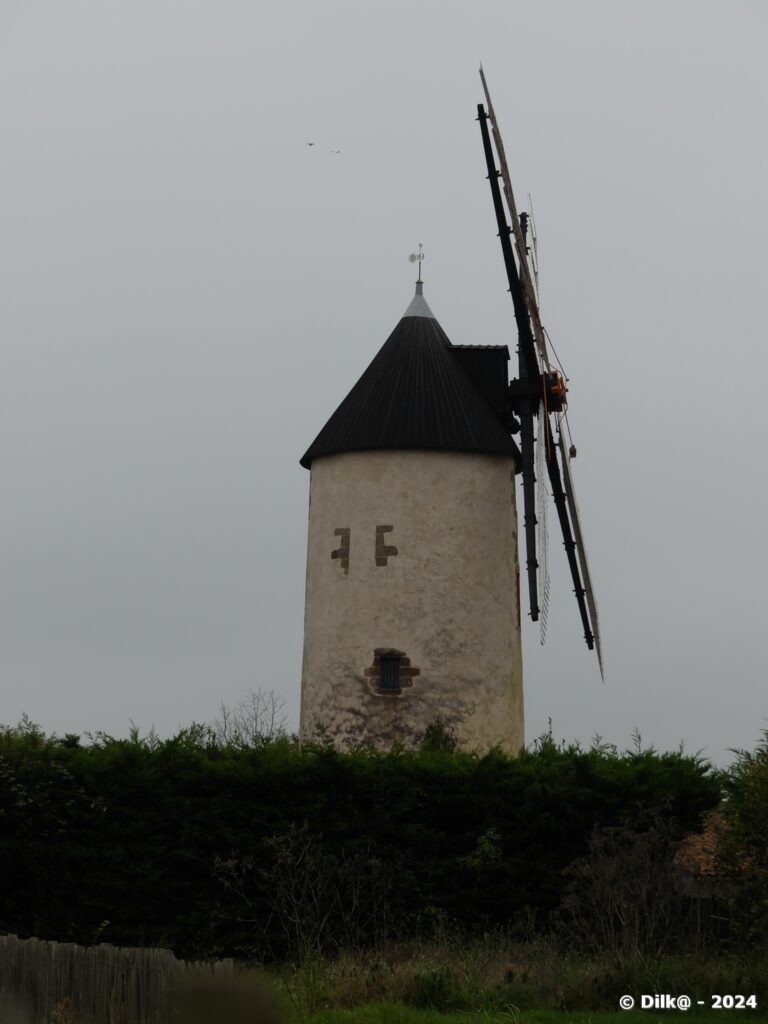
x,y
744,848
186,842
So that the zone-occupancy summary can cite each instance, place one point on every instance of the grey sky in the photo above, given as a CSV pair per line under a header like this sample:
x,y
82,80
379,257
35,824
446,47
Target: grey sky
x,y
187,290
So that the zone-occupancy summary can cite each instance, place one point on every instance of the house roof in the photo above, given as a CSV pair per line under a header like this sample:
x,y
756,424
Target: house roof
x,y
413,395
482,348
698,851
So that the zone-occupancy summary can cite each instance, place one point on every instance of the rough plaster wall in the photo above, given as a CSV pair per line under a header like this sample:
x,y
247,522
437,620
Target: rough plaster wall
x,y
448,599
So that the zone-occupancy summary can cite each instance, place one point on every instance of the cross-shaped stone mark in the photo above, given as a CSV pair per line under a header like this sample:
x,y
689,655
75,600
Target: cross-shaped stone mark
x,y
383,551
342,551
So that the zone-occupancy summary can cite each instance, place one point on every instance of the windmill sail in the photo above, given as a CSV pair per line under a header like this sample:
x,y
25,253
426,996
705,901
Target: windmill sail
x,y
533,256
538,393
520,243
542,541
529,372
563,513
581,551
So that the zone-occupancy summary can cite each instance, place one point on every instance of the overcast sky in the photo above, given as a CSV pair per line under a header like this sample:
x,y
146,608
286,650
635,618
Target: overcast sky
x,y
187,291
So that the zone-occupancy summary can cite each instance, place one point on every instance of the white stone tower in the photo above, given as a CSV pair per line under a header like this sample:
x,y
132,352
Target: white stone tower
x,y
412,602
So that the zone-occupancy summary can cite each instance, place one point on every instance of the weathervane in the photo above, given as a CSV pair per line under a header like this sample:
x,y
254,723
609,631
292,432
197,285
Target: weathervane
x,y
417,257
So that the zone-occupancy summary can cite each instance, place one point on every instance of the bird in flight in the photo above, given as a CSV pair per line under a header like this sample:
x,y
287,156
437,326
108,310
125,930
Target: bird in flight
x,y
336,151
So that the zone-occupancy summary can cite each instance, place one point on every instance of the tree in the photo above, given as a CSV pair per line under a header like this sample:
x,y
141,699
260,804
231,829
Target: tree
x,y
743,847
255,720
625,896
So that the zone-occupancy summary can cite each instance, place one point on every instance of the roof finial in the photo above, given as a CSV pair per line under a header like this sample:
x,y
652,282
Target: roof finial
x,y
418,306
418,257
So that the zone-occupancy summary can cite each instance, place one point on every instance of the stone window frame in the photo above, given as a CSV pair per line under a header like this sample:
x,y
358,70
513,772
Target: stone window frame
x,y
407,671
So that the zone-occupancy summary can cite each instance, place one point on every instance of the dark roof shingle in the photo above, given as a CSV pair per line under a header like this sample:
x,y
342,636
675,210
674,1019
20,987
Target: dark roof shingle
x,y
413,395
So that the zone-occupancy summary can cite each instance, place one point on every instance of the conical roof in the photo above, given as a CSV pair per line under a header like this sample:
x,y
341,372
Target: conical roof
x,y
414,395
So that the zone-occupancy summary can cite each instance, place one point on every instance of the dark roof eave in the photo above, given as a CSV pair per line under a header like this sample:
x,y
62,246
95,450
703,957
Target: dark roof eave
x,y
514,453
484,348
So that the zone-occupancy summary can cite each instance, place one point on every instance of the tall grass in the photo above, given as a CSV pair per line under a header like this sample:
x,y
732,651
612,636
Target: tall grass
x,y
498,974
395,1013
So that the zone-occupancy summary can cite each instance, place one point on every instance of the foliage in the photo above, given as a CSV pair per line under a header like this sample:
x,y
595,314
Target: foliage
x,y
195,843
317,902
744,845
394,1013
439,736
624,896
64,1012
497,975
256,719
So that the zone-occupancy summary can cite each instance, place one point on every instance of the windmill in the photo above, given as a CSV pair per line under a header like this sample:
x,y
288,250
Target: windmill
x,y
537,398
411,613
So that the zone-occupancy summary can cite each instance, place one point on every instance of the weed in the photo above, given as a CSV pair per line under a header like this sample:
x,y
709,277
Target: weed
x,y
64,1012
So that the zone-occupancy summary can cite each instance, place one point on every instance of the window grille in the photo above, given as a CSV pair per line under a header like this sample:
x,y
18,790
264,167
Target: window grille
x,y
389,673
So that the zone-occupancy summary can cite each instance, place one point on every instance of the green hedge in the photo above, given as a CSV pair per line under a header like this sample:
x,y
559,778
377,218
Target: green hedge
x,y
188,844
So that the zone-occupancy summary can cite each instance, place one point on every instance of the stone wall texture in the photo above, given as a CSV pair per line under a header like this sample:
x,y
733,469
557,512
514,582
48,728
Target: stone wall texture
x,y
427,572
